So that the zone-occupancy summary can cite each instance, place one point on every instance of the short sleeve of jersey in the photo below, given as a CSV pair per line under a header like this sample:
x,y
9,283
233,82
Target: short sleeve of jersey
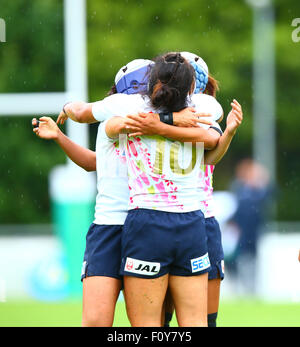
x,y
101,131
109,107
217,127
213,124
207,104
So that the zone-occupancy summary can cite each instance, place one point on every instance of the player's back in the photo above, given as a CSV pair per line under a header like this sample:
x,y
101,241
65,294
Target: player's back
x,y
164,174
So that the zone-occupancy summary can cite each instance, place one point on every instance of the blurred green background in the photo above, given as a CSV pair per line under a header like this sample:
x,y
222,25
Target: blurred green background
x,y
237,313
32,60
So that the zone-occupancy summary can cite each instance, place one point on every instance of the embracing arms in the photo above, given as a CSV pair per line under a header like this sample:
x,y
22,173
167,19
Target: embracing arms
x,y
216,145
186,127
83,113
150,124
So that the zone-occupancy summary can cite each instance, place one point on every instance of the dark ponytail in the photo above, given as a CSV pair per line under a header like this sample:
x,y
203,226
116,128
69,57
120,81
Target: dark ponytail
x,y
212,86
170,82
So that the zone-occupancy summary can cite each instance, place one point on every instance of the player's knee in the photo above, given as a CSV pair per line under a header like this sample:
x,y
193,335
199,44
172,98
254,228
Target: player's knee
x,y
90,320
95,318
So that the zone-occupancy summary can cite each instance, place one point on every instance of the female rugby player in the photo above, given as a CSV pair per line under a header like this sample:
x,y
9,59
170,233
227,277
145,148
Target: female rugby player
x,y
206,84
164,240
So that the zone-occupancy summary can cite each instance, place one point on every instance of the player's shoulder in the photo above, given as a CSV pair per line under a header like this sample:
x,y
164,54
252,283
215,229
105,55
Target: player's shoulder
x,y
125,99
205,99
116,105
209,104
118,97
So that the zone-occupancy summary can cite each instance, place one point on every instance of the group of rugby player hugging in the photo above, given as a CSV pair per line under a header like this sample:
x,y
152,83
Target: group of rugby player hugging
x,y
154,235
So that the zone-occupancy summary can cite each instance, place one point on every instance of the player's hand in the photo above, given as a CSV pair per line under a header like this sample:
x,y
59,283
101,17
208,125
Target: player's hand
x,y
47,128
62,118
234,118
188,118
142,124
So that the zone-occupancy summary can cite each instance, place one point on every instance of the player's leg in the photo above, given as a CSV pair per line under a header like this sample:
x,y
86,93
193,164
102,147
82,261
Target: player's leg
x,y
100,274
188,275
147,248
100,295
190,298
144,300
216,274
213,299
168,309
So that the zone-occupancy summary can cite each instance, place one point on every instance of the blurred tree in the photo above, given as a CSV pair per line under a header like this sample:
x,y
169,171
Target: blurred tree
x,y
31,61
119,31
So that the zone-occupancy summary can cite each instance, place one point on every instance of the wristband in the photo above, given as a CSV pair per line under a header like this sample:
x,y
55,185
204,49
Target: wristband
x,y
166,117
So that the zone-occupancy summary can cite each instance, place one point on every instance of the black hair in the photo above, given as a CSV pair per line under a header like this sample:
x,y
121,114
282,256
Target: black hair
x,y
170,82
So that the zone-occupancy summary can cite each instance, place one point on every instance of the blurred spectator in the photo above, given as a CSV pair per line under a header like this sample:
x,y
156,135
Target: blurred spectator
x,y
252,189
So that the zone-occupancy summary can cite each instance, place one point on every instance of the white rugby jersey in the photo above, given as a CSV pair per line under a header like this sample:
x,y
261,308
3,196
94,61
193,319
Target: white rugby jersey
x,y
112,181
165,175
162,174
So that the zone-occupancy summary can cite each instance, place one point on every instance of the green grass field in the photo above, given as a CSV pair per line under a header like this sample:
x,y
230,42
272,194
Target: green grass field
x,y
244,313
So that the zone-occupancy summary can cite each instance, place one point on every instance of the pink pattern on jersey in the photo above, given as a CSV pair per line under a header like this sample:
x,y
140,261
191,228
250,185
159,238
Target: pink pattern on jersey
x,y
144,178
122,156
152,186
209,212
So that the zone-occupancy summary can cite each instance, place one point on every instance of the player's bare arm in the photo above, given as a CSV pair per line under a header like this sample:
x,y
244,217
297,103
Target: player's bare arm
x,y
234,120
149,124
116,126
47,129
79,111
189,118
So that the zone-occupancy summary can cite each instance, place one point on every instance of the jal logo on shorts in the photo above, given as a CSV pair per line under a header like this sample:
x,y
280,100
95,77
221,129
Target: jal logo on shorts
x,y
141,267
129,265
201,263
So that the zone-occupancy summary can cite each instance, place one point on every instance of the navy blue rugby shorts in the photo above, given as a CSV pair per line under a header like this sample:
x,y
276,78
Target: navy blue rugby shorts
x,y
215,249
102,255
155,243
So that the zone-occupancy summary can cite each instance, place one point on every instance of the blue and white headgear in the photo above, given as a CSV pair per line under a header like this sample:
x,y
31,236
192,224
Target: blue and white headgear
x,y
133,77
201,71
